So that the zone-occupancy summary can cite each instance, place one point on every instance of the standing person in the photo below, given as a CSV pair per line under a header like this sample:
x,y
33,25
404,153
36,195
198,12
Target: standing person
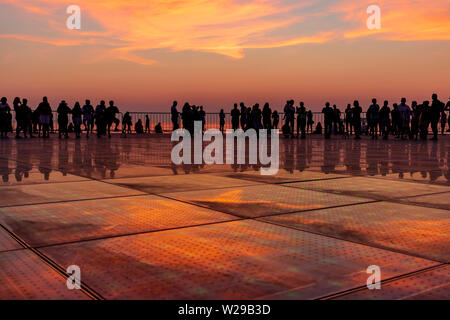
x,y
76,119
257,117
348,119
174,116
301,120
405,117
4,111
36,124
436,108
235,114
88,117
243,115
328,119
289,116
276,119
356,118
373,118
415,115
63,118
19,116
396,120
267,115
100,118
27,119
336,119
45,112
110,116
147,124
424,121
126,124
222,120
384,119
447,108
310,121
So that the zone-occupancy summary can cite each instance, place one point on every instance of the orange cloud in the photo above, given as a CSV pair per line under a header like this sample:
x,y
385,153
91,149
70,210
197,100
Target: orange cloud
x,y
228,27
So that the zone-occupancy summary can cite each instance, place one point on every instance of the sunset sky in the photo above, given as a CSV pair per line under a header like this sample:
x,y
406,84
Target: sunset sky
x,y
146,53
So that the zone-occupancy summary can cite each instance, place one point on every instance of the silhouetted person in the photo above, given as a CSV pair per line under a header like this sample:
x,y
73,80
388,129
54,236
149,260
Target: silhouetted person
x,y
174,116
88,117
318,129
289,116
45,112
110,115
17,105
100,119
425,117
436,108
76,119
63,119
4,111
348,119
336,120
405,117
328,119
301,120
138,127
126,123
384,119
27,118
373,119
243,115
222,120
309,121
415,117
147,124
356,118
257,117
158,128
275,119
235,114
396,120
267,115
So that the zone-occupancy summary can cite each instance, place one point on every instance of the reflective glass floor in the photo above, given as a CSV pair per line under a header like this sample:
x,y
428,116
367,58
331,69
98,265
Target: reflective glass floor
x,y
139,227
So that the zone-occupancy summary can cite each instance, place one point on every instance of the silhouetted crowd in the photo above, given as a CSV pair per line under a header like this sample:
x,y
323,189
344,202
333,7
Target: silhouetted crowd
x,y
402,121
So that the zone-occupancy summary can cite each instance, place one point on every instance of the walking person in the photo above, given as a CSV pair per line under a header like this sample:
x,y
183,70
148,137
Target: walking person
x,y
126,124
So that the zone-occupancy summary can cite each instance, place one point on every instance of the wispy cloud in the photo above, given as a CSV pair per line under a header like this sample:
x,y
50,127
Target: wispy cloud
x,y
228,27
